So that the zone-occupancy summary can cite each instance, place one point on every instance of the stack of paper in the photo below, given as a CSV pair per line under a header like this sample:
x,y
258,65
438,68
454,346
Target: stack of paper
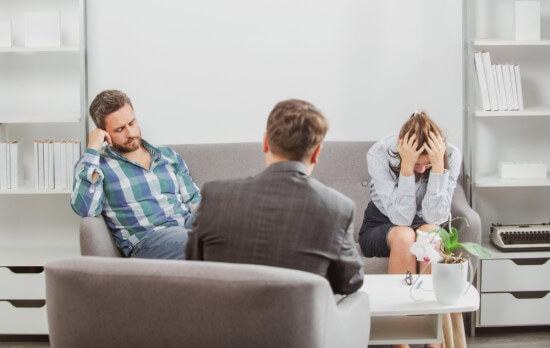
x,y
499,85
54,162
11,165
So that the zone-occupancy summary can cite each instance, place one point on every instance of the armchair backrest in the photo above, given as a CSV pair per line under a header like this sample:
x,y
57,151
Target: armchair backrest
x,y
114,302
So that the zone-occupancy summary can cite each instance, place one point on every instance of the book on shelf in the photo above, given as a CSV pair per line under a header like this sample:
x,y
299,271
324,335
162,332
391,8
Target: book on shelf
x,y
16,165
486,58
518,86
55,161
499,84
482,81
4,166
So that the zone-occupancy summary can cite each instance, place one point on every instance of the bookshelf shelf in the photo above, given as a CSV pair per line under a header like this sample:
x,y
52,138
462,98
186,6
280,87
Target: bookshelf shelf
x,y
532,111
41,118
29,188
35,255
496,42
496,181
20,49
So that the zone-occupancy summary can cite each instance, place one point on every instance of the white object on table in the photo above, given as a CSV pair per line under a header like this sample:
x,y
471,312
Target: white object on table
x,y
528,20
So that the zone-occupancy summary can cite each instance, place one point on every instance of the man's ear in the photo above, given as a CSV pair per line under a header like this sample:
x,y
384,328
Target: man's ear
x,y
315,154
266,143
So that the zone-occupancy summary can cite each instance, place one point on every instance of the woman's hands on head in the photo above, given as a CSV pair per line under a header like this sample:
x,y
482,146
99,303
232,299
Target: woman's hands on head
x,y
407,149
435,147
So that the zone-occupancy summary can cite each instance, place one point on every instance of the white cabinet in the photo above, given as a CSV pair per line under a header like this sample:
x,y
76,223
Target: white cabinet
x,y
514,287
43,96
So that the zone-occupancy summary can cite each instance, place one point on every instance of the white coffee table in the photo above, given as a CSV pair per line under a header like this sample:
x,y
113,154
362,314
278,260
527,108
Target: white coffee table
x,y
398,319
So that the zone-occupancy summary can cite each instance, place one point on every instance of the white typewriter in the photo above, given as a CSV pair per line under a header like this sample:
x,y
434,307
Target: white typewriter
x,y
521,237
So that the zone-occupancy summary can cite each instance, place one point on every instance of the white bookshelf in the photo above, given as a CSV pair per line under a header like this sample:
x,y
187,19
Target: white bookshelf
x,y
29,188
527,112
494,136
44,97
496,181
22,49
491,42
35,254
41,117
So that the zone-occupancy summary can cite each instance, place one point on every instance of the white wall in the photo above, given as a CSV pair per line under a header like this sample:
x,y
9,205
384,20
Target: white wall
x,y
211,70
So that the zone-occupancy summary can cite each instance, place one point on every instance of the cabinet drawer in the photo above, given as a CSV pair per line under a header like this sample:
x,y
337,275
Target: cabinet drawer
x,y
506,310
21,286
515,275
20,321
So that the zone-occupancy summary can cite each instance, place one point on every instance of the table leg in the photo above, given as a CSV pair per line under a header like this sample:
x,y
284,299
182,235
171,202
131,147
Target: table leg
x,y
448,339
459,334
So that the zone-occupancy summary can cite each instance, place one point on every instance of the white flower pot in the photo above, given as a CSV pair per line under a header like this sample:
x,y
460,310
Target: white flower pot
x,y
450,281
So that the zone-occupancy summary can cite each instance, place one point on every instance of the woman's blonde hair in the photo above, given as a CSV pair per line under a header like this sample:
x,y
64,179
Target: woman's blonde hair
x,y
421,125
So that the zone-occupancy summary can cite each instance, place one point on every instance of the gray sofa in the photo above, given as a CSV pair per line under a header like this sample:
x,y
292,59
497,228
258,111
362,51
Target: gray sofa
x,y
342,165
116,302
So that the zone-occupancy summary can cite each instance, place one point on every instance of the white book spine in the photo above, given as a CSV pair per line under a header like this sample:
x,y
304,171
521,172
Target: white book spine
x,y
46,165
16,169
57,164
76,158
518,87
482,82
486,57
3,165
69,164
508,86
499,100
51,175
500,82
36,171
41,176
63,164
514,86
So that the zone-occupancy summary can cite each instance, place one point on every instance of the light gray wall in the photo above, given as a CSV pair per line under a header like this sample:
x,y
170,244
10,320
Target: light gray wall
x,y
211,70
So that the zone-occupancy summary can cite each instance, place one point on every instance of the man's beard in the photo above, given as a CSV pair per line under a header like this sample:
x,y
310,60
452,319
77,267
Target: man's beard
x,y
130,146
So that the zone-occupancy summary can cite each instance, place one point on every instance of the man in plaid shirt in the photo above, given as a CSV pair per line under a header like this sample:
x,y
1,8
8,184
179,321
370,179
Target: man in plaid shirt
x,y
145,193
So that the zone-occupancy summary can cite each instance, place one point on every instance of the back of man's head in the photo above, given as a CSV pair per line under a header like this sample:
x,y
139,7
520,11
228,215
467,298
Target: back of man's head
x,y
294,129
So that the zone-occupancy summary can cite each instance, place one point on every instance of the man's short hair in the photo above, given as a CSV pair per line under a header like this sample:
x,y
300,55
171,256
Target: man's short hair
x,y
295,128
105,103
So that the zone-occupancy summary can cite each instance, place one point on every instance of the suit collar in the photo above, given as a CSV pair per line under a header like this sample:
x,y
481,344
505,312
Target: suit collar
x,y
288,166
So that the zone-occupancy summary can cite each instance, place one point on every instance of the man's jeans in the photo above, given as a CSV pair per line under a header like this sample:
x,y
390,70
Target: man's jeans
x,y
168,244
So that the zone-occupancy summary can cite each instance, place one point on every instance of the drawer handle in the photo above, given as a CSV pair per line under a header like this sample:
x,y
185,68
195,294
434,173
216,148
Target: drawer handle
x,y
521,295
530,262
27,303
21,269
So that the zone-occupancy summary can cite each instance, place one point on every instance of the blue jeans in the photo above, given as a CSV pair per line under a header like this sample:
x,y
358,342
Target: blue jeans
x,y
168,244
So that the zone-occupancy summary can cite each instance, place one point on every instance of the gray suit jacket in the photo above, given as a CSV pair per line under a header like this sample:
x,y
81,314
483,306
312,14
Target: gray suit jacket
x,y
282,218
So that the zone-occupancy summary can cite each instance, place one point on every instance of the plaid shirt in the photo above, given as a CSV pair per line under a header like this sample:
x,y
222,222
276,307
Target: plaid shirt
x,y
134,201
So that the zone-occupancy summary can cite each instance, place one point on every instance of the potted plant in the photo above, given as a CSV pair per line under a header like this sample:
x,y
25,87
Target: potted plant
x,y
449,271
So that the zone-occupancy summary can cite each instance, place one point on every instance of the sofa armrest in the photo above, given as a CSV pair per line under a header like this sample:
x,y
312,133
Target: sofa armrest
x,y
351,321
460,207
96,239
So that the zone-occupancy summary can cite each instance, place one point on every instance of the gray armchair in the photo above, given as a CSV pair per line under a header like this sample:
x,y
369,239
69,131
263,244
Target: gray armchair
x,y
115,302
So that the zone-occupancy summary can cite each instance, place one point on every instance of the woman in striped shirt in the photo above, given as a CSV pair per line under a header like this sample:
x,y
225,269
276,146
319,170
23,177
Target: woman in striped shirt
x,y
413,177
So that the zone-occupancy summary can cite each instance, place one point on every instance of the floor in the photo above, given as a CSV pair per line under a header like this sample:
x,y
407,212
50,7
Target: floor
x,y
535,337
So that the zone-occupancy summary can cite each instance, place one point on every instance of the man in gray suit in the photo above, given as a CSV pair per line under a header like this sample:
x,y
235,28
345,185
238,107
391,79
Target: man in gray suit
x,y
282,217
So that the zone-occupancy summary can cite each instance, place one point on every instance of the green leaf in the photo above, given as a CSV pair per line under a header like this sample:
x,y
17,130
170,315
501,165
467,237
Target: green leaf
x,y
445,238
475,249
454,237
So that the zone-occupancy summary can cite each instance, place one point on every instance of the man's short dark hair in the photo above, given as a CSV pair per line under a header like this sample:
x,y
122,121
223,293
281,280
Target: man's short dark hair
x,y
106,103
295,128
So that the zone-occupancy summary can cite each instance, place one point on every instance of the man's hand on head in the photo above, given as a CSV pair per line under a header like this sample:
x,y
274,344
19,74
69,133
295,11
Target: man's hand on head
x,y
97,137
